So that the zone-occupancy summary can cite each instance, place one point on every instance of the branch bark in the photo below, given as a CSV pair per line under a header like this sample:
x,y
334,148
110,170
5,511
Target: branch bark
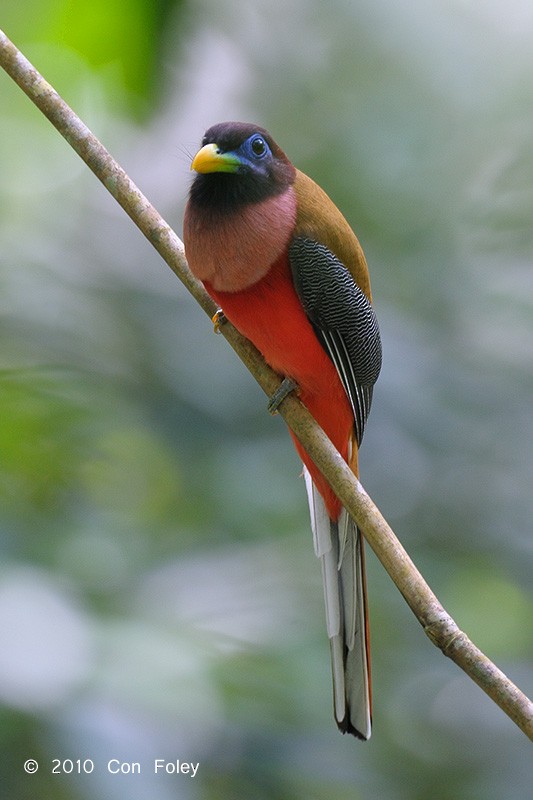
x,y
436,622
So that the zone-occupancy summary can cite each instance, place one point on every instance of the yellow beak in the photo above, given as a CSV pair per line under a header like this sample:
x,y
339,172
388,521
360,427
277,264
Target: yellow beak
x,y
211,159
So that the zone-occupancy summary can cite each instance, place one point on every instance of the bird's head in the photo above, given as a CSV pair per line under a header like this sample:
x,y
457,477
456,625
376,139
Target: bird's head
x,y
239,163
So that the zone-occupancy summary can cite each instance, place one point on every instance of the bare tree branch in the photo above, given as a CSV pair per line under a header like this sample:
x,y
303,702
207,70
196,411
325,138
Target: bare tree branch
x,y
437,623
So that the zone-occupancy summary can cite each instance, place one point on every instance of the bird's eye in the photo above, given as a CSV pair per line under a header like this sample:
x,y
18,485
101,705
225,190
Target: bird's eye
x,y
259,147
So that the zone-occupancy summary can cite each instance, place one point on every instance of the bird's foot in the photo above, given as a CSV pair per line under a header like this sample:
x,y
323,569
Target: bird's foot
x,y
218,319
287,386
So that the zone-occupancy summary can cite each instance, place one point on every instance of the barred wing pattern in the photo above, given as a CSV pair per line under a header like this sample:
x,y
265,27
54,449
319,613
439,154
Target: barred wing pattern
x,y
343,319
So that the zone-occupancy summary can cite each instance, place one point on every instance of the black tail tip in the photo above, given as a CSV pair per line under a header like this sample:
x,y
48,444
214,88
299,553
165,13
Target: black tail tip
x,y
345,726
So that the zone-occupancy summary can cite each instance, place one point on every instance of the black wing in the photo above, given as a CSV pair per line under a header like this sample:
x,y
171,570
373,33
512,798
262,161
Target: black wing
x,y
343,319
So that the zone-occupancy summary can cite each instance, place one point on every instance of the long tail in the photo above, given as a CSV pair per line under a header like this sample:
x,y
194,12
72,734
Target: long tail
x,y
339,546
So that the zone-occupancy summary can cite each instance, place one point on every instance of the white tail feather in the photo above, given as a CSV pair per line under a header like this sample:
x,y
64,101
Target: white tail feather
x,y
319,518
340,548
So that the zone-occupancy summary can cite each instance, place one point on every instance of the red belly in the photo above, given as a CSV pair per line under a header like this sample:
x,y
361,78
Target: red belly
x,y
271,316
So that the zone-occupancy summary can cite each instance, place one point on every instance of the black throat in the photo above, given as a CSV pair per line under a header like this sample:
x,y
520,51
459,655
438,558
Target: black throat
x,y
226,193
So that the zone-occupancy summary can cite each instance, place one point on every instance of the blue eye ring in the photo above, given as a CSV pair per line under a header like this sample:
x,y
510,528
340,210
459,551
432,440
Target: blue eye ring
x,y
258,146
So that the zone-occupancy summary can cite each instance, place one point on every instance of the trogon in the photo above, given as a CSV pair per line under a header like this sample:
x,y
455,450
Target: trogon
x,y
283,264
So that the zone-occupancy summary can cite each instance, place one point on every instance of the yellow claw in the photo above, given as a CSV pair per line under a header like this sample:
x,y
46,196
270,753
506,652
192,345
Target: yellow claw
x,y
218,319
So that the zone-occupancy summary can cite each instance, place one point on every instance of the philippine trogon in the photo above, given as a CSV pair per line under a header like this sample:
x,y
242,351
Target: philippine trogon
x,y
286,269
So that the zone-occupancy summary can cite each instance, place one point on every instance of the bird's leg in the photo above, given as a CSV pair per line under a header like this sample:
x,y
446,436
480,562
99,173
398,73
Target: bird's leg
x,y
287,386
218,319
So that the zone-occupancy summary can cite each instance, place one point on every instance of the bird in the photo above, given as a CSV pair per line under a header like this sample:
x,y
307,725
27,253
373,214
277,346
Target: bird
x,y
285,268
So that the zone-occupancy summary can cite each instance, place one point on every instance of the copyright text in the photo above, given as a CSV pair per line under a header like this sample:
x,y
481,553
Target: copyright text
x,y
116,766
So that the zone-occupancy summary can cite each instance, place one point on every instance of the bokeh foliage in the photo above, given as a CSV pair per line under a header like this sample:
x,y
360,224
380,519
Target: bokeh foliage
x,y
159,597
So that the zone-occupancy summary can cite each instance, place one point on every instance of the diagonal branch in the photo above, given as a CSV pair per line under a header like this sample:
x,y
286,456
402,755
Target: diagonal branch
x,y
437,623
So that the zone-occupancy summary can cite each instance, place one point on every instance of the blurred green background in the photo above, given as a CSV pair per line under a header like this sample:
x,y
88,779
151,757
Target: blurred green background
x,y
159,595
